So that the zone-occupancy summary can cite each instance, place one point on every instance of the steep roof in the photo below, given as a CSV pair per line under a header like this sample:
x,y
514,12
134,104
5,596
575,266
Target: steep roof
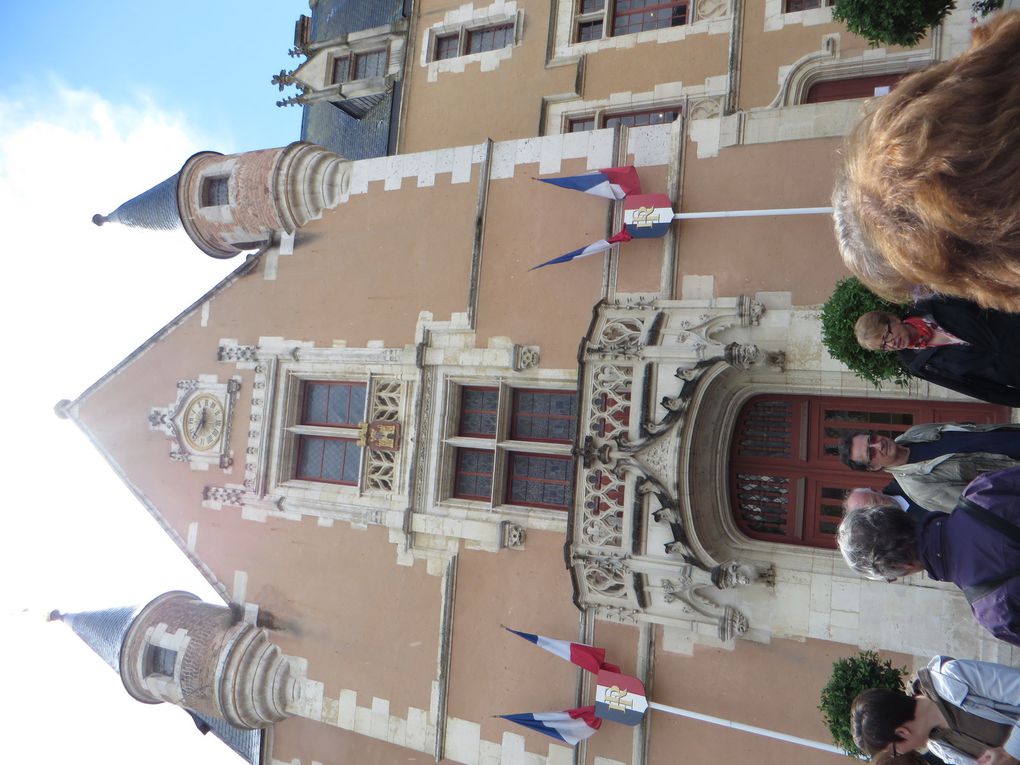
x,y
323,123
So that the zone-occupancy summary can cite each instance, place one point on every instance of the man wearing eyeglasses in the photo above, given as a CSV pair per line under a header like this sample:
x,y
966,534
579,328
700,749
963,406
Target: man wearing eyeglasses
x,y
964,711
932,464
976,547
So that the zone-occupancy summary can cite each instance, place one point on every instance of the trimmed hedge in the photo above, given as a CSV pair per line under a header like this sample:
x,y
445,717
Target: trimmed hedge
x,y
849,677
848,302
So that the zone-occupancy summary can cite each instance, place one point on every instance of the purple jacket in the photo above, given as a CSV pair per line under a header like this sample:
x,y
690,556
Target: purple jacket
x,y
960,549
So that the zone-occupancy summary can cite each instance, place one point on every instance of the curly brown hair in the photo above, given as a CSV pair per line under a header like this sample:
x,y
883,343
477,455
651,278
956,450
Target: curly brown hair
x,y
930,191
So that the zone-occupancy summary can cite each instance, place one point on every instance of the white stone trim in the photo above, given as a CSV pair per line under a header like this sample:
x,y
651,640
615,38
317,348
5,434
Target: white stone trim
x,y
776,18
650,146
462,21
705,17
703,100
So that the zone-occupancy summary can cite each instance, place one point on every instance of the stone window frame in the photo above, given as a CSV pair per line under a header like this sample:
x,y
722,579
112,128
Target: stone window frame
x,y
163,686
608,12
826,65
215,191
815,4
457,23
347,432
777,17
350,54
502,445
601,115
703,17
287,430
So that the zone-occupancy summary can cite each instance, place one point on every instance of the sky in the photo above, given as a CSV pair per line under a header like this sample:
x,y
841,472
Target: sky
x,y
101,101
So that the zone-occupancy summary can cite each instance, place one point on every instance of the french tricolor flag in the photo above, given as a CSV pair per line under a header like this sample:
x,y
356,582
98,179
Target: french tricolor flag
x,y
585,656
569,726
592,249
611,183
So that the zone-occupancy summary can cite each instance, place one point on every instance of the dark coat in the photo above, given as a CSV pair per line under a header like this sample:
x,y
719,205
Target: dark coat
x,y
988,368
959,548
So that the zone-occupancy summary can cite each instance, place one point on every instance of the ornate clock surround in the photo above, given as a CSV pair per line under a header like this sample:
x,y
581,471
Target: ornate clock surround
x,y
171,421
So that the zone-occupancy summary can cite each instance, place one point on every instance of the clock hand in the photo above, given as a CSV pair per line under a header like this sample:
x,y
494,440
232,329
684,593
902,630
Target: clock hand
x,y
199,426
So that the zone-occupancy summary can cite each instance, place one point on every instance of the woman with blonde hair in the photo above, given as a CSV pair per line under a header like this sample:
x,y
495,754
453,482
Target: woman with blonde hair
x,y
929,198
953,343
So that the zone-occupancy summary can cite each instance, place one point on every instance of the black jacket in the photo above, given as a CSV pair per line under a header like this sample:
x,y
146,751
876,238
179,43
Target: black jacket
x,y
988,368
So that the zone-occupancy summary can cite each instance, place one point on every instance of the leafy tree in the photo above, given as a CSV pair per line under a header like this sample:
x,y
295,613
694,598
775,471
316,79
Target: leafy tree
x,y
849,677
891,22
848,302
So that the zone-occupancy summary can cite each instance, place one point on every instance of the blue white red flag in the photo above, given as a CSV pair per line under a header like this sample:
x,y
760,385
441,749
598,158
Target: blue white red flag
x,y
620,698
585,656
611,183
592,249
647,215
569,726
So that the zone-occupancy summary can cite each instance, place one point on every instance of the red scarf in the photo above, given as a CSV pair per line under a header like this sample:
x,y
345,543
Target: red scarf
x,y
924,331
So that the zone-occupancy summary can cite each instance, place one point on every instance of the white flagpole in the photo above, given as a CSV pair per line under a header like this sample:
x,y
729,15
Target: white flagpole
x,y
747,728
754,213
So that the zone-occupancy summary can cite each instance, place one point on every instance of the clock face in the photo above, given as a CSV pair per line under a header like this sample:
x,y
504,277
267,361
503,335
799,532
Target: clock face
x,y
203,422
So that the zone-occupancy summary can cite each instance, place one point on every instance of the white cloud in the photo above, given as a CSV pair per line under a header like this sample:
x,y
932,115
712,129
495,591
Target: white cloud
x,y
74,300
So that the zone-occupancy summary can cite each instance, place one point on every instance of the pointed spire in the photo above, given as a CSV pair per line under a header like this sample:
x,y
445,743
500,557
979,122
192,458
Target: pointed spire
x,y
103,631
154,209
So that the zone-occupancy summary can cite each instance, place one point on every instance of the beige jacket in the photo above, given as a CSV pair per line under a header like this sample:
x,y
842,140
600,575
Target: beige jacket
x,y
936,484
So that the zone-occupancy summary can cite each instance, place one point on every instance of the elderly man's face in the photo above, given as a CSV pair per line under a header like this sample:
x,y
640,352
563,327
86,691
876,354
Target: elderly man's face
x,y
859,498
877,452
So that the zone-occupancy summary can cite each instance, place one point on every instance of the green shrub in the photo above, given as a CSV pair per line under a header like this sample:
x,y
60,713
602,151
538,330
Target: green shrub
x,y
891,22
848,302
849,677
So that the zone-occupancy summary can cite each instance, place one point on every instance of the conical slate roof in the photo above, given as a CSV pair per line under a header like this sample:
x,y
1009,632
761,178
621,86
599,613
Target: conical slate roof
x,y
103,631
154,209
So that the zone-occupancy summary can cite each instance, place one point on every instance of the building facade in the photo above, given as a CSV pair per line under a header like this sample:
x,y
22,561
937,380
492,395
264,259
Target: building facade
x,y
383,436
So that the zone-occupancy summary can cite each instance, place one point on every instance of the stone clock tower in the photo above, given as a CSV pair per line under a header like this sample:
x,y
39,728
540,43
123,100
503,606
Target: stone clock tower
x,y
196,655
236,202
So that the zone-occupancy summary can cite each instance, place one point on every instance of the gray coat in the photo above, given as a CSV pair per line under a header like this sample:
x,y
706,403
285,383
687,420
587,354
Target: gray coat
x,y
936,484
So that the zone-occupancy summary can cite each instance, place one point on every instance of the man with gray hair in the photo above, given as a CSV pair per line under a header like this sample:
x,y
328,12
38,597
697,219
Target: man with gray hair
x,y
977,547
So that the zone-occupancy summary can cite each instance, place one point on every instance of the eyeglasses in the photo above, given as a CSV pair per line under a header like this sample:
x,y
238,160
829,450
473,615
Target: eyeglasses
x,y
887,337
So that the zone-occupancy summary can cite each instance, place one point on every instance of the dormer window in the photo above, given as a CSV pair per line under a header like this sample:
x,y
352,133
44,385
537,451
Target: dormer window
x,y
361,66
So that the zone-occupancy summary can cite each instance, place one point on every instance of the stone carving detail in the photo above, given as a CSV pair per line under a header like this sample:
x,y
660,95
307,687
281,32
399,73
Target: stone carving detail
x,y
511,535
237,353
619,338
425,414
609,410
525,357
703,108
732,624
605,577
381,471
224,495
617,614
694,601
602,520
711,9
381,465
750,311
746,355
386,398
734,573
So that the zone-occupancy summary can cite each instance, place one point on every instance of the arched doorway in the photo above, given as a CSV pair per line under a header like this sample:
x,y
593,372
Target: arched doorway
x,y
786,479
